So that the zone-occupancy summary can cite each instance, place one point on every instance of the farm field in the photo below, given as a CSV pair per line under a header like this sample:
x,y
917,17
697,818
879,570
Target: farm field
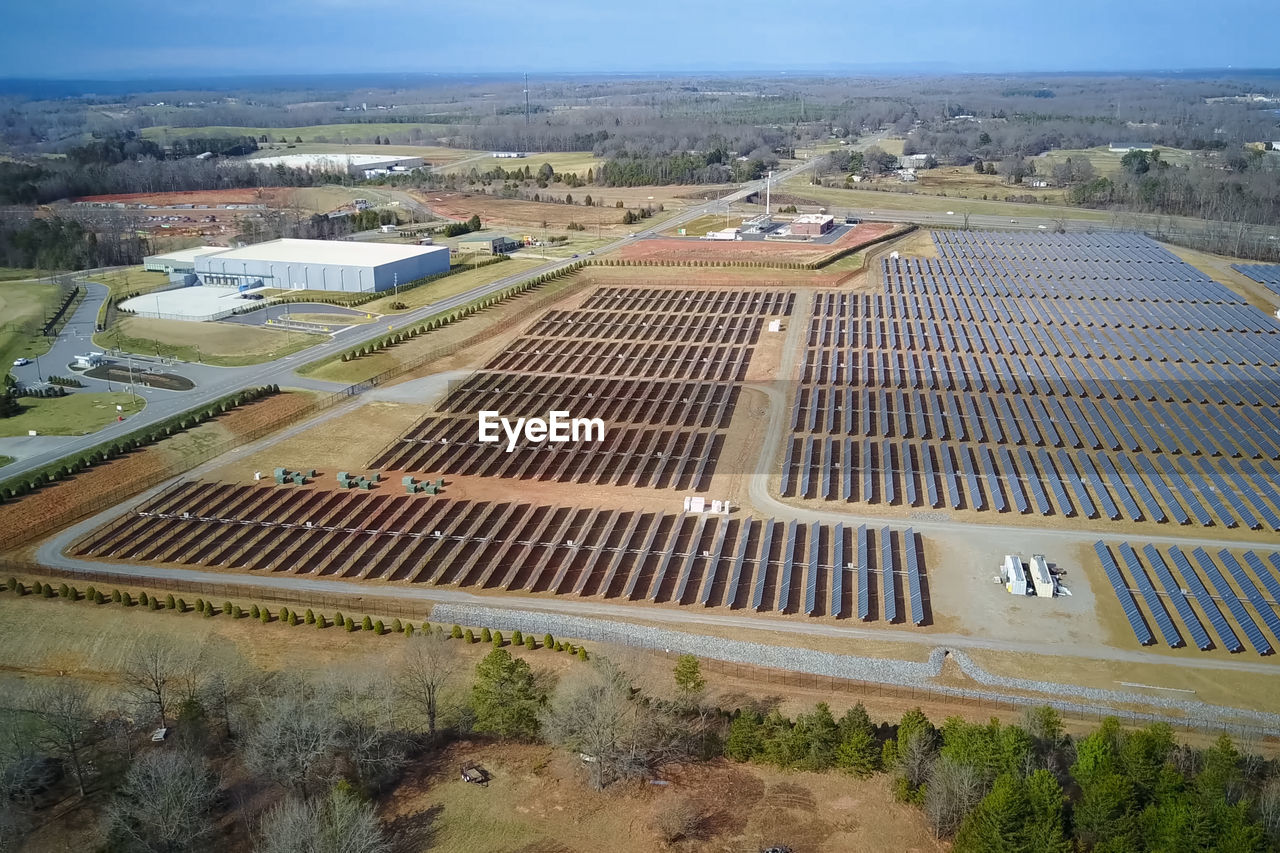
x,y
75,414
24,307
323,133
225,344
905,199
563,162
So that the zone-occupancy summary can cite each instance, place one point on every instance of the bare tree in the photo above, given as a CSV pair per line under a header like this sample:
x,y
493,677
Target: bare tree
x,y
164,803
952,791
154,676
425,670
295,741
340,823
66,725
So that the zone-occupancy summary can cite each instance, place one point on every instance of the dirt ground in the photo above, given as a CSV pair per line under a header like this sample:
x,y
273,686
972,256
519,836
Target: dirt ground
x,y
677,249
270,196
538,801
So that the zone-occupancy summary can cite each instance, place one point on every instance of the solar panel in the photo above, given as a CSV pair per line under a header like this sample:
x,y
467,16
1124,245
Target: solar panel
x,y
1167,629
1116,483
1174,592
1185,492
837,571
686,570
788,556
1056,483
1228,597
888,567
908,474
930,481
825,491
1260,604
1125,597
868,472
762,569
1268,579
1194,479
735,576
1179,514
864,590
811,580
788,476
1154,511
1014,480
806,461
888,471
913,576
713,564
971,478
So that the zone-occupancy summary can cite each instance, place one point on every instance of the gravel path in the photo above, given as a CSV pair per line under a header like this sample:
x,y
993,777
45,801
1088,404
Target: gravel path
x,y
880,671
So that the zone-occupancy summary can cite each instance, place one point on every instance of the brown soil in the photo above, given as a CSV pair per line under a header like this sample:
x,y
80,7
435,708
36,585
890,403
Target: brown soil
x,y
676,249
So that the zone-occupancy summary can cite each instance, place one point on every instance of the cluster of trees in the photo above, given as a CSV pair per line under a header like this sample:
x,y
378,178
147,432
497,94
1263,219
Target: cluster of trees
x,y
457,229
64,243
710,167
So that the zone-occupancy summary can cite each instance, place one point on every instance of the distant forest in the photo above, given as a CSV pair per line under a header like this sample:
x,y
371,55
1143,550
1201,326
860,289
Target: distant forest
x,y
685,131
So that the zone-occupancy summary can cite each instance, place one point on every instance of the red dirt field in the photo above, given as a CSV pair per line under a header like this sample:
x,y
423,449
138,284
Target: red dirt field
x,y
271,196
683,249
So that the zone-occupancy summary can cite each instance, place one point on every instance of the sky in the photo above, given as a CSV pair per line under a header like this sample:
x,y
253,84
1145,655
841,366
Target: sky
x,y
129,39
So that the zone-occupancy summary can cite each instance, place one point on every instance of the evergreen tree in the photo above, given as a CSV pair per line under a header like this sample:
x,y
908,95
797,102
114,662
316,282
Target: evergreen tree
x,y
504,696
688,675
745,739
999,823
858,752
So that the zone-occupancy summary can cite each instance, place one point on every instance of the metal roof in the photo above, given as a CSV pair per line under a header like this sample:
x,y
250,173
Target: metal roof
x,y
336,252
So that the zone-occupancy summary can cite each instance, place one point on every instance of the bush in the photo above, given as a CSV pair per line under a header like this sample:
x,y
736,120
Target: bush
x,y
548,641
236,612
379,628
351,624
456,633
226,607
143,599
208,609
517,639
582,653
200,604
485,636
497,639
293,619
64,591
115,596
426,628
339,619
366,624
253,611
408,629
310,617
529,642
48,591
470,636
182,606
264,615
321,622
559,647
155,603
396,627
284,614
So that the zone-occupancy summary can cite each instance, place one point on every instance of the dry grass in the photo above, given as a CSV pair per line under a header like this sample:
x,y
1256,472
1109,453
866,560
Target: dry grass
x,y
226,344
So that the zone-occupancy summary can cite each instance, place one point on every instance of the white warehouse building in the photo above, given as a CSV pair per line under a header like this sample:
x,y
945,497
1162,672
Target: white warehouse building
x,y
320,265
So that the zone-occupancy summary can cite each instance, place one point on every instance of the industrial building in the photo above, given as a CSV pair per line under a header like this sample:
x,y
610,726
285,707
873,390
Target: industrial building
x,y
496,245
319,265
181,261
812,224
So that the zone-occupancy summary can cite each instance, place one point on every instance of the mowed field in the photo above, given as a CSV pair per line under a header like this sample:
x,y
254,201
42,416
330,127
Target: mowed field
x,y
74,414
225,344
690,249
23,308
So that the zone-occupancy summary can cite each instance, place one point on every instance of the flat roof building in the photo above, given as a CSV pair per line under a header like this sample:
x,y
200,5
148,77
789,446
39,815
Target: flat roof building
x,y
812,224
321,265
495,245
180,261
359,165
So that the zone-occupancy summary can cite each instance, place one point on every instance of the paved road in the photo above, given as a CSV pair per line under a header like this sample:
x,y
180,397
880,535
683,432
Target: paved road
x,y
227,380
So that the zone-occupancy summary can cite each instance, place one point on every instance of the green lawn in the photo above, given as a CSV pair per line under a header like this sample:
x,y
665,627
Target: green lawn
x,y
23,309
74,414
19,274
5,460
710,222
451,285
1105,161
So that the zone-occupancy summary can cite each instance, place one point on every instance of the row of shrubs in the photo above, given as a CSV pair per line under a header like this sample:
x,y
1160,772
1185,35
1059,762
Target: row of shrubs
x,y
355,299
454,316
285,616
16,487
55,391
66,381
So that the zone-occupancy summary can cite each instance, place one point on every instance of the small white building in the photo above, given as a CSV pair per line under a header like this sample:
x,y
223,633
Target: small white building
x,y
913,161
89,359
1041,577
1014,575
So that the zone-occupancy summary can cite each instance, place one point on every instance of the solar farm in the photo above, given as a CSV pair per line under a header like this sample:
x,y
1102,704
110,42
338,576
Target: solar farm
x,y
1268,275
1092,386
1085,378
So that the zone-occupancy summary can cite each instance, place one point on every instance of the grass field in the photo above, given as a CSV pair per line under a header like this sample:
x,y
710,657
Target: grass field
x,y
74,414
19,274
310,133
131,280
5,460
451,285
23,308
896,200
1105,161
562,161
223,344
963,182
710,222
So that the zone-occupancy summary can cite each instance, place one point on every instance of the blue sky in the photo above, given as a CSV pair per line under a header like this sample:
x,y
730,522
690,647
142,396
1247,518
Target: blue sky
x,y
139,38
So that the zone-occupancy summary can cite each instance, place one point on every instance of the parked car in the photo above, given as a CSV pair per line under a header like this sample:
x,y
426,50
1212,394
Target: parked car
x,y
21,362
